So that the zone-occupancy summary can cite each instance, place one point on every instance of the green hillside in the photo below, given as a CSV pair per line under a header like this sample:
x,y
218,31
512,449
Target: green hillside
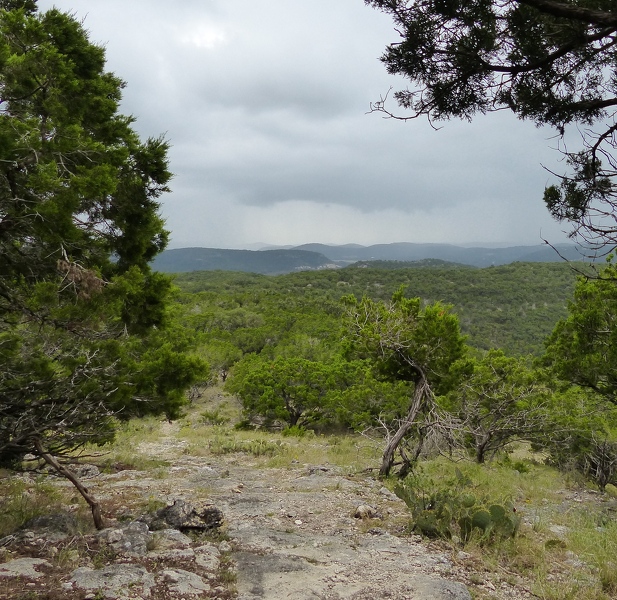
x,y
513,307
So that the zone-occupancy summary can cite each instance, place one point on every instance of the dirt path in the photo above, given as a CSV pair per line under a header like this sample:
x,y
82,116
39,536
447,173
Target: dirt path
x,y
290,533
295,533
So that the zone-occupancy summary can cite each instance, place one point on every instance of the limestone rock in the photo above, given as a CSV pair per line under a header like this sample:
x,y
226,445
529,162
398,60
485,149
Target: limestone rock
x,y
85,471
184,582
170,538
54,527
384,491
24,567
432,588
114,581
133,538
185,517
365,511
207,556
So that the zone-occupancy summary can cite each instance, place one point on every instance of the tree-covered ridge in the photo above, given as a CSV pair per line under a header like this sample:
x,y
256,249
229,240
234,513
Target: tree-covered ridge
x,y
314,257
513,307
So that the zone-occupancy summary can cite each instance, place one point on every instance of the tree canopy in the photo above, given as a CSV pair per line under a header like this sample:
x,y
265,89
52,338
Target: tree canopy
x,y
583,347
550,61
406,342
82,317
496,400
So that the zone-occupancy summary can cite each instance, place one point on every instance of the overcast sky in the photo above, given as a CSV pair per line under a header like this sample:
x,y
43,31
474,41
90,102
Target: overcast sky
x,y
265,104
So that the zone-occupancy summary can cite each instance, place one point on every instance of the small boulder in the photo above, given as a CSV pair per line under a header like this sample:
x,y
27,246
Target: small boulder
x,y
208,556
165,539
185,517
365,511
184,582
53,528
384,491
85,471
133,538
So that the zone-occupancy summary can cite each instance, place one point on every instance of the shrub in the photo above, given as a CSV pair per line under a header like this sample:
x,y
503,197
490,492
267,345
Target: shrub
x,y
452,510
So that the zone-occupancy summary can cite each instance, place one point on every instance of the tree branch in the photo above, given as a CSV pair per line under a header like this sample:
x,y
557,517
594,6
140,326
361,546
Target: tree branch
x,y
570,11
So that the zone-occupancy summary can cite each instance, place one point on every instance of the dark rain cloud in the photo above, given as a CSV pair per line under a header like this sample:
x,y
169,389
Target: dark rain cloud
x,y
265,104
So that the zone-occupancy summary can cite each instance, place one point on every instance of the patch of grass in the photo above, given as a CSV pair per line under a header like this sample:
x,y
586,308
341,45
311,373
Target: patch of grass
x,y
21,501
122,459
256,447
214,417
123,453
577,562
103,556
593,540
137,431
298,432
152,504
66,557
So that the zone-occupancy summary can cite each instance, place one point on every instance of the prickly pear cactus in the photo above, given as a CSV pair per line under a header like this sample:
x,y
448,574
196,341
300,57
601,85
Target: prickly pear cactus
x,y
451,511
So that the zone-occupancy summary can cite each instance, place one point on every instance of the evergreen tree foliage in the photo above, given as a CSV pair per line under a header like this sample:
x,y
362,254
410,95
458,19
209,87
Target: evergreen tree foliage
x,y
549,61
583,347
512,307
411,343
82,317
497,400
582,352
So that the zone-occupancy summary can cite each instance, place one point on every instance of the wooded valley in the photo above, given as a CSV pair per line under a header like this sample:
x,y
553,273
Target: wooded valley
x,y
485,356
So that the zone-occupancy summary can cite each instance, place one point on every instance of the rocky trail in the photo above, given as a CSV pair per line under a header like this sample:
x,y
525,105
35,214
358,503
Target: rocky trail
x,y
300,532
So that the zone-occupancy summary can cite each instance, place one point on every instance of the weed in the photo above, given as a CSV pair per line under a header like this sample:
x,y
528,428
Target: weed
x,y
28,596
214,417
227,574
103,556
22,501
296,431
66,557
152,504
256,447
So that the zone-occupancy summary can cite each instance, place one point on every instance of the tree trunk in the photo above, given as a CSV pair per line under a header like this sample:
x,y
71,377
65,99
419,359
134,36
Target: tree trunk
x,y
53,462
420,394
482,445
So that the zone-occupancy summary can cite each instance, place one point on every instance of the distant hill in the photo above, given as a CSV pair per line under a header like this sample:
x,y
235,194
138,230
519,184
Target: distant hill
x,y
266,262
314,257
477,257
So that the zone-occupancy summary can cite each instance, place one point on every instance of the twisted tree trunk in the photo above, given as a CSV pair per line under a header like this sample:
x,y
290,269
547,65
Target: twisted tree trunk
x,y
53,462
422,393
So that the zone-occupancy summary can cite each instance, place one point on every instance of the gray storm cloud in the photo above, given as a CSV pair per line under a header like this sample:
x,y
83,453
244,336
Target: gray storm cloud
x,y
265,104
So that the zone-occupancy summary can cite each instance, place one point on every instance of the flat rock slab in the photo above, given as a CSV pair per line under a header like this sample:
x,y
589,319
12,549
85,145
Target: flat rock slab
x,y
113,581
293,535
280,564
24,567
277,576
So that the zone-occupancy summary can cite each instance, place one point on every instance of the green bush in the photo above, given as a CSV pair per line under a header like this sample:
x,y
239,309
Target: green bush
x,y
453,511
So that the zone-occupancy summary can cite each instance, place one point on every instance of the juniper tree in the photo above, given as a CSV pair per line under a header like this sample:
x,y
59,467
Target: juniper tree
x,y
82,317
553,62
